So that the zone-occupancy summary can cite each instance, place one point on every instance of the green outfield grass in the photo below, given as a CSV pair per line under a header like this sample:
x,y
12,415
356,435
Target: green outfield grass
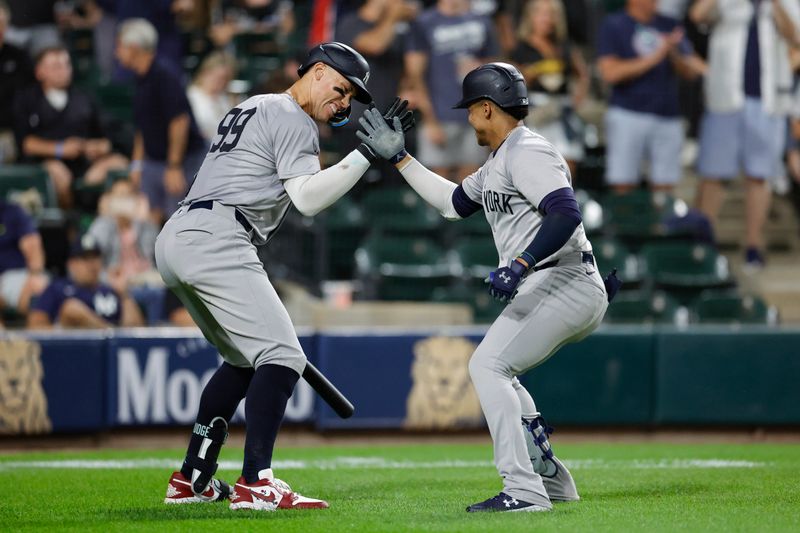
x,y
625,487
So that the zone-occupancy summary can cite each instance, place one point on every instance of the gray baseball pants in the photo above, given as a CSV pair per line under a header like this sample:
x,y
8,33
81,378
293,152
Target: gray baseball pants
x,y
205,256
554,306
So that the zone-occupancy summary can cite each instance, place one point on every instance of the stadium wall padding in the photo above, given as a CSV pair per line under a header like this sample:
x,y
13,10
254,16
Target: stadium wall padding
x,y
630,376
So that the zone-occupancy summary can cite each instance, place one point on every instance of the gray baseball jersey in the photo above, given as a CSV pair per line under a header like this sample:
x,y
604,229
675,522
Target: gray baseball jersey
x,y
262,141
554,306
510,186
208,258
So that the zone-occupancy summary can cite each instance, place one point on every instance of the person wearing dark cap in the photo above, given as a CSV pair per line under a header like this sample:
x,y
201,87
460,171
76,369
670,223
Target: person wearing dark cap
x,y
263,161
82,300
546,273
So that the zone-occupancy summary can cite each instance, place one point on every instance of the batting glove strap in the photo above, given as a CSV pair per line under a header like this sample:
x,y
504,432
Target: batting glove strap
x,y
399,157
367,152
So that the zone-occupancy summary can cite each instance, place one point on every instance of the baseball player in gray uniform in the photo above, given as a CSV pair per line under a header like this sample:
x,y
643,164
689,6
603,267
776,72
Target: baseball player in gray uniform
x,y
546,273
264,158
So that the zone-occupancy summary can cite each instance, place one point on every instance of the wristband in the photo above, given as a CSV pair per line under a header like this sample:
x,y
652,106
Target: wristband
x,y
398,157
59,150
527,259
174,165
136,165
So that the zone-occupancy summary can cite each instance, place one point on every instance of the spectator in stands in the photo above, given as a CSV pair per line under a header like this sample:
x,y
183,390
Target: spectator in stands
x,y
230,18
126,238
82,300
163,15
33,25
15,73
175,312
208,94
377,30
640,54
124,234
748,98
445,43
60,125
22,274
168,147
552,67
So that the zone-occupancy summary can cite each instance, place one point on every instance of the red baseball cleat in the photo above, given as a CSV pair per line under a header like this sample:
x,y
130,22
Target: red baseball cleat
x,y
179,490
270,494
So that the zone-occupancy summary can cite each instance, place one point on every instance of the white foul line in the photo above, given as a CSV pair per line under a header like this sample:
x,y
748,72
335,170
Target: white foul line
x,y
379,463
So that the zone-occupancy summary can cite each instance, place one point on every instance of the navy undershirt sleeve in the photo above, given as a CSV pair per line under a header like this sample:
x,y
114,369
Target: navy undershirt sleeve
x,y
561,217
463,204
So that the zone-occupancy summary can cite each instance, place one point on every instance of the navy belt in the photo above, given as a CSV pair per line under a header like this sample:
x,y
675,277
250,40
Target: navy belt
x,y
240,218
586,257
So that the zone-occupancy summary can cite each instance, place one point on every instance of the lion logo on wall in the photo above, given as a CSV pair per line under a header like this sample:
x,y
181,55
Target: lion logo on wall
x,y
23,404
442,396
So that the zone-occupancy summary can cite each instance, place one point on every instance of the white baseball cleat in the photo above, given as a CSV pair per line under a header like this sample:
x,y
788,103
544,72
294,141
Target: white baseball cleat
x,y
270,494
179,490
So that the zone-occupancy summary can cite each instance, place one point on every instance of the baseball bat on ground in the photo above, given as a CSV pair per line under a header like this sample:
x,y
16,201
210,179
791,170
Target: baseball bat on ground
x,y
338,402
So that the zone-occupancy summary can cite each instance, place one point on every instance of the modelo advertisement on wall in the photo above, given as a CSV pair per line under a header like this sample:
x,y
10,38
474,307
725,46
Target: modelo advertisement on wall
x,y
158,380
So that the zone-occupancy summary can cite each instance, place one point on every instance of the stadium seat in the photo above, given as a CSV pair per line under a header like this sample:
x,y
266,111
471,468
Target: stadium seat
x,y
730,307
474,225
344,229
591,212
485,309
27,185
401,267
400,211
609,253
685,268
116,99
642,307
640,216
474,257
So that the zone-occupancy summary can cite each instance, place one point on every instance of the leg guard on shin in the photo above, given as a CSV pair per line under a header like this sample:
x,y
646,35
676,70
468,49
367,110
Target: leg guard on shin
x,y
536,432
204,464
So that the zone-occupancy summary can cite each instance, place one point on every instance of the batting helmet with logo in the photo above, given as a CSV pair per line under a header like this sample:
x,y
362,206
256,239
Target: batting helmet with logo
x,y
499,82
346,62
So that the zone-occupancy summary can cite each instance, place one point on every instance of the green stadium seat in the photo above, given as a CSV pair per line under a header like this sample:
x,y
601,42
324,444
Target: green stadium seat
x,y
474,257
642,307
401,267
591,212
730,307
685,268
639,216
400,211
485,309
28,185
344,229
116,99
473,225
610,253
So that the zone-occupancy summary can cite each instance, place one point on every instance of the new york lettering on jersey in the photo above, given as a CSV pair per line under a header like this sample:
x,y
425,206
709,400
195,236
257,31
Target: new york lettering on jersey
x,y
497,202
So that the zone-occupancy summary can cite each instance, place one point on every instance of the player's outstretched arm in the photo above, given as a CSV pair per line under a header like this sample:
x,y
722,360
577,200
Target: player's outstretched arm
x,y
382,140
311,194
433,188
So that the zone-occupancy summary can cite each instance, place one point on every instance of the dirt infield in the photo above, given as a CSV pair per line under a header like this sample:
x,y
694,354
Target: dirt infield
x,y
151,438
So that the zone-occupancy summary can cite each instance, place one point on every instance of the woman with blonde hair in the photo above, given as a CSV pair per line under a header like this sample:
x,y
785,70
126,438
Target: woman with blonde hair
x,y
552,68
208,93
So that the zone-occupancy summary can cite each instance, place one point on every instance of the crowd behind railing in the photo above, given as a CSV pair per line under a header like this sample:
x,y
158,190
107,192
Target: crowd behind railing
x,y
107,108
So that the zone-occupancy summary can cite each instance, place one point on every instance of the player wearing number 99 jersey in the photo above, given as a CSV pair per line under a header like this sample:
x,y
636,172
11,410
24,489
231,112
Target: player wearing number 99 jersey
x,y
264,157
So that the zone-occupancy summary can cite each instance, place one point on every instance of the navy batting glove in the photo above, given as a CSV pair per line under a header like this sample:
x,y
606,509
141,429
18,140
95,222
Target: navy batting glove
x,y
504,281
612,283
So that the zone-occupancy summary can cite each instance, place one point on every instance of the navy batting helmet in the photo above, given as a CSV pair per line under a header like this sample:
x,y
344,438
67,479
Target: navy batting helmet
x,y
499,82
346,62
